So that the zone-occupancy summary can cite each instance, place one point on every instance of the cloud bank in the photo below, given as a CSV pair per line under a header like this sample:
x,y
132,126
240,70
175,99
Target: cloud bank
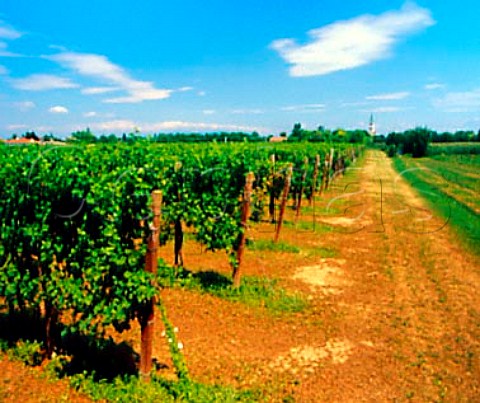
x,y
168,126
42,82
101,68
388,97
58,109
7,33
348,44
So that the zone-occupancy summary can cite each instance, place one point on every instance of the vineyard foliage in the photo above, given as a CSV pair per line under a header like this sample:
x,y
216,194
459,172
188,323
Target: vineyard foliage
x,y
74,219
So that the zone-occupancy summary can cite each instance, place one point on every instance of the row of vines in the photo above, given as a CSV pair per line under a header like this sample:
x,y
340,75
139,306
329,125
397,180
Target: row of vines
x,y
75,219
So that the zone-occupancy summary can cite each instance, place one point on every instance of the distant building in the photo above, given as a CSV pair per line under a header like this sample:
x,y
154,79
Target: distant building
x,y
20,141
277,139
24,141
372,130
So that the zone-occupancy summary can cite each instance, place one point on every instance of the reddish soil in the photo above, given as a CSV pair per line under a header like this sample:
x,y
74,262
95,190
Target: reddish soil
x,y
393,315
19,383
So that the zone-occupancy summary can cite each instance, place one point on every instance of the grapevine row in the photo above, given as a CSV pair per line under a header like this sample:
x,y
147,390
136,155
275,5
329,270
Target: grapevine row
x,y
74,220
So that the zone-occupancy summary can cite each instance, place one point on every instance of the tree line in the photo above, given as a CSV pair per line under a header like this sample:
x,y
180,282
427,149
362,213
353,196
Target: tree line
x,y
415,141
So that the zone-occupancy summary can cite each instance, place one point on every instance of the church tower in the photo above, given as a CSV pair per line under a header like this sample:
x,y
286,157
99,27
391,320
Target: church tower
x,y
372,130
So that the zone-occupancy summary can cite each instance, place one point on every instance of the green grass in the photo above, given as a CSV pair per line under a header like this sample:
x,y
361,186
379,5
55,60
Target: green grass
x,y
257,292
322,252
269,245
131,389
124,388
464,220
454,149
310,226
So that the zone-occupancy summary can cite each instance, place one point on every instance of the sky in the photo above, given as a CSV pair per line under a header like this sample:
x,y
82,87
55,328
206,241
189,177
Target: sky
x,y
190,66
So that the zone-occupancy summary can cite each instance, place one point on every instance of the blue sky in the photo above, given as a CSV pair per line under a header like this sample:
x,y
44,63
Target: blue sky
x,y
159,66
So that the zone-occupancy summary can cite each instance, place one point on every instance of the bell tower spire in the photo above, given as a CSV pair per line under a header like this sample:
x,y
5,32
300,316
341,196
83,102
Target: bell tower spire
x,y
372,130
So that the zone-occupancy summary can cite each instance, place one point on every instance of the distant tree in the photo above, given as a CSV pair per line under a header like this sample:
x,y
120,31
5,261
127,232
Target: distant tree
x,y
379,138
50,137
356,136
297,133
31,136
84,136
416,141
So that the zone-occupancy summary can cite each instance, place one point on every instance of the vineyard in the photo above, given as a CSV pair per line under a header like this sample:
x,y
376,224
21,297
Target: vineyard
x,y
79,223
238,272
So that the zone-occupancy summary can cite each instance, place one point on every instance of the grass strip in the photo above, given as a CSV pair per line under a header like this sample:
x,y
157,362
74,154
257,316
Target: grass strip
x,y
257,292
464,221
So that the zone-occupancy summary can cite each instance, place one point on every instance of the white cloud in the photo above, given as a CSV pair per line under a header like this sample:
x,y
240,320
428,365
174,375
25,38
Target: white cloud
x,y
140,95
25,105
184,89
101,68
170,126
201,93
385,109
434,86
349,104
97,90
3,70
6,53
42,82
304,108
58,109
209,111
352,43
16,127
200,126
247,111
93,114
389,97
115,125
7,33
466,101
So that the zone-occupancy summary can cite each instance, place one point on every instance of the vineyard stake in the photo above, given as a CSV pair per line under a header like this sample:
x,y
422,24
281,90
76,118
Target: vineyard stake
x,y
247,196
271,204
304,177
314,178
178,236
324,175
330,165
178,244
51,321
286,189
147,319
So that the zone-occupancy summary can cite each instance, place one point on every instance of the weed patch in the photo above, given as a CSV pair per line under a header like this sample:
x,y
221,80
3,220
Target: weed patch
x,y
256,292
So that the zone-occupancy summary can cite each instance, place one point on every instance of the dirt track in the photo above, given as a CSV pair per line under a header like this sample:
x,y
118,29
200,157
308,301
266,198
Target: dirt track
x,y
409,307
394,313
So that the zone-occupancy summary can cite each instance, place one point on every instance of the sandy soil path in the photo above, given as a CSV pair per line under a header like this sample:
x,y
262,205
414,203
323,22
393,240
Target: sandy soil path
x,y
406,296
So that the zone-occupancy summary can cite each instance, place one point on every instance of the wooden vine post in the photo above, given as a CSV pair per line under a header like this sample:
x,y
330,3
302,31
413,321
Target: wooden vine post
x,y
271,204
178,243
283,205
324,175
302,186
51,319
314,178
330,165
178,236
147,318
246,201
